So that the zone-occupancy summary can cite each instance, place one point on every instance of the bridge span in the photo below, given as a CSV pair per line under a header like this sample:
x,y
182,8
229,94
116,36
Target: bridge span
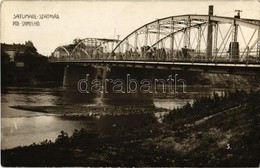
x,y
204,43
239,68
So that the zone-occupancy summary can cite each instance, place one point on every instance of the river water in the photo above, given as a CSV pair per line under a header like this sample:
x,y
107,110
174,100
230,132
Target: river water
x,y
21,127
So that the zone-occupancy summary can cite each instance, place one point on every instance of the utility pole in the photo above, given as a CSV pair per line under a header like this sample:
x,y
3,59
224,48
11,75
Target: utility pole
x,y
234,45
209,35
238,13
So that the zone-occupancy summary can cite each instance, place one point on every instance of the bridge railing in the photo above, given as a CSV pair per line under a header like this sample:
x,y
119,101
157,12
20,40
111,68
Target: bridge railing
x,y
164,57
219,60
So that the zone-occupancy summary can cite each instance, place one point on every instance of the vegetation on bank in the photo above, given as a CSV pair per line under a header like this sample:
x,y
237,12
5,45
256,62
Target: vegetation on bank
x,y
218,131
206,106
222,130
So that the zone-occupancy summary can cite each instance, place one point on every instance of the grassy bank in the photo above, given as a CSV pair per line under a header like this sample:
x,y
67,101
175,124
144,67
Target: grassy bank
x,y
221,131
218,131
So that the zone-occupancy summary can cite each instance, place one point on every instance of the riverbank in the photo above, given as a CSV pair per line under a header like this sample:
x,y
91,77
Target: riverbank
x,y
91,110
216,131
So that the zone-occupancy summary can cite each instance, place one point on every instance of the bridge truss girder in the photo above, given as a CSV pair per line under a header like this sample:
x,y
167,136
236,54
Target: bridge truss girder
x,y
87,48
190,31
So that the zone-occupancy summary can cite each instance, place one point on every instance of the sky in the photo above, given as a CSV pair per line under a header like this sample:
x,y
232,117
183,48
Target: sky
x,y
101,19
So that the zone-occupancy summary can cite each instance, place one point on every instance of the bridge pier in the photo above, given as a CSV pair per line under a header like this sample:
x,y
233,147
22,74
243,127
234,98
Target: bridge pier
x,y
73,74
126,86
108,85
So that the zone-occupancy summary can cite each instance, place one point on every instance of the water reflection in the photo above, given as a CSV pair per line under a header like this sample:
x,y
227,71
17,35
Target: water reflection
x,y
27,130
171,103
75,97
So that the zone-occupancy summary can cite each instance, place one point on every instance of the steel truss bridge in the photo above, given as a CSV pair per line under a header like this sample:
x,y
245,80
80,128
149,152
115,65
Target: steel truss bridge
x,y
184,40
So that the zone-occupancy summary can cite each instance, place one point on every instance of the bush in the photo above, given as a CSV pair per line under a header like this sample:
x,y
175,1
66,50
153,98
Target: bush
x,y
63,139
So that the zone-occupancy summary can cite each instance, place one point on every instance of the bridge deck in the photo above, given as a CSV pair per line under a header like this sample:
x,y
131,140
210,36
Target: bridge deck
x,y
214,67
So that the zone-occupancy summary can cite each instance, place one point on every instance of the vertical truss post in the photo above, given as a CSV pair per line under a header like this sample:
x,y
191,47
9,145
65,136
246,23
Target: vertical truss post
x,y
187,33
158,33
162,44
135,46
119,48
105,48
258,45
199,40
209,35
92,44
157,39
215,41
127,44
146,36
68,55
184,37
172,38
145,41
128,53
135,41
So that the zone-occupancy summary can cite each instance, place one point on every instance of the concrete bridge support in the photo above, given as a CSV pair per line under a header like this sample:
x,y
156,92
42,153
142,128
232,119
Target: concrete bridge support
x,y
108,85
127,86
74,74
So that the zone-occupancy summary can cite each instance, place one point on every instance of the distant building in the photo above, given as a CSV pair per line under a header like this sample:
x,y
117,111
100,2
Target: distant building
x,y
23,55
12,49
5,59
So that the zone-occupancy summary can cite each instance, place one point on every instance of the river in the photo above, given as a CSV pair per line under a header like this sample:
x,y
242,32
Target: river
x,y
21,127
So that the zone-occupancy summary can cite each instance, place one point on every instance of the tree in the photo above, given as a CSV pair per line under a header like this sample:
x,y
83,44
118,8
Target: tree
x,y
29,47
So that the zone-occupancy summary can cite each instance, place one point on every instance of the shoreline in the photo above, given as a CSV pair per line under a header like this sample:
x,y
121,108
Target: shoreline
x,y
93,110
